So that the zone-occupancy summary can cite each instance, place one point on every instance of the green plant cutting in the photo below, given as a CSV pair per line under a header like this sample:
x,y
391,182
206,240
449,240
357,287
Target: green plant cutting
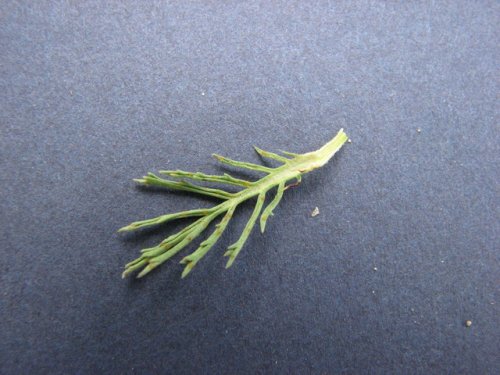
x,y
288,174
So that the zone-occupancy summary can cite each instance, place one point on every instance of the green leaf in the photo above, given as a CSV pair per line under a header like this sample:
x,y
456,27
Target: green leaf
x,y
233,250
271,155
268,211
292,168
163,219
153,180
242,164
191,260
225,178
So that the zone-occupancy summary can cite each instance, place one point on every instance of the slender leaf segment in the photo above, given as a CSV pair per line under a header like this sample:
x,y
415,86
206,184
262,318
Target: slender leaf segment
x,y
292,168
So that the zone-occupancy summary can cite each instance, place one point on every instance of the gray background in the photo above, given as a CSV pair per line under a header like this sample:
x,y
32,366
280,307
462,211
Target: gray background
x,y
96,93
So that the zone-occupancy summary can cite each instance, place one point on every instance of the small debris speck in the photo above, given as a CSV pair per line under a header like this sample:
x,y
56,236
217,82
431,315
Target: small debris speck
x,y
468,323
349,140
203,94
419,130
375,268
315,212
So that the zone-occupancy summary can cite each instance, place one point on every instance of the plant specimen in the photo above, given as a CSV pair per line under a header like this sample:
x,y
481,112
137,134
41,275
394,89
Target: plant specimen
x,y
292,168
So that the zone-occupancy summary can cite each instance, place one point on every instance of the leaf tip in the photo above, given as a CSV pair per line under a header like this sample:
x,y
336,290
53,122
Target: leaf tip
x,y
229,253
146,270
188,268
262,225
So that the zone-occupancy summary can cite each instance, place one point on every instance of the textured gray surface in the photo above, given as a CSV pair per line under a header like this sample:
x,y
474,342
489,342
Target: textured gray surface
x,y
93,94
